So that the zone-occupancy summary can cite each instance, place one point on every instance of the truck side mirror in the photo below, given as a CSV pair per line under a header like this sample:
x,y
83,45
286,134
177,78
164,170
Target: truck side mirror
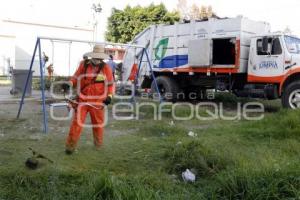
x,y
265,44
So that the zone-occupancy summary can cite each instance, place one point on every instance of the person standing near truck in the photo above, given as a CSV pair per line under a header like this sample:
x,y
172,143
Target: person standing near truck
x,y
112,64
50,70
94,82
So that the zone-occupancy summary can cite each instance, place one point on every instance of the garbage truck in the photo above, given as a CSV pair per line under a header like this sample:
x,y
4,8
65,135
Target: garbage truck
x,y
231,54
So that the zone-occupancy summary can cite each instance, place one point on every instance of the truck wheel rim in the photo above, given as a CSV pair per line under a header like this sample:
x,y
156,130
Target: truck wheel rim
x,y
294,99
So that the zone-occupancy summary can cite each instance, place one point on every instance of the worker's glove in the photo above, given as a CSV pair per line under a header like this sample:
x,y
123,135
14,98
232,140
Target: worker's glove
x,y
107,101
70,106
72,102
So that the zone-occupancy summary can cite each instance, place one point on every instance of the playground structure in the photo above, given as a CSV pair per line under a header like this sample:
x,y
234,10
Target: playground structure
x,y
144,57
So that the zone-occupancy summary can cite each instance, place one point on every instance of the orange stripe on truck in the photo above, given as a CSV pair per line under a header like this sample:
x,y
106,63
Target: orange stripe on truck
x,y
274,79
260,79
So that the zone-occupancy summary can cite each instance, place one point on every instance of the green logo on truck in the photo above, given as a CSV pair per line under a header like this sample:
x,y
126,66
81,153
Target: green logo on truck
x,y
161,48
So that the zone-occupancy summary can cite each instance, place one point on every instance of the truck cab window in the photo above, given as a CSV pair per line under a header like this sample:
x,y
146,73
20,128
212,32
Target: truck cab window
x,y
274,46
293,44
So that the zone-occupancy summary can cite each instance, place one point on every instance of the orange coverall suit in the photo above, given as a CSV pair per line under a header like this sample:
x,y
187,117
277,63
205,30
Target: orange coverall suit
x,y
95,85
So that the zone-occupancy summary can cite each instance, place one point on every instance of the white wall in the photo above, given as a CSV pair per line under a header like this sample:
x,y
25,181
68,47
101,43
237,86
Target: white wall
x,y
7,52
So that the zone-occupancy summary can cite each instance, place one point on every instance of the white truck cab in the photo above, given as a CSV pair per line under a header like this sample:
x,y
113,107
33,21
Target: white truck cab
x,y
274,59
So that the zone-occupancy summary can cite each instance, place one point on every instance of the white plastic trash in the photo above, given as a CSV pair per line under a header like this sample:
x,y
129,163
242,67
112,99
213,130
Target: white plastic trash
x,y
192,134
188,176
172,123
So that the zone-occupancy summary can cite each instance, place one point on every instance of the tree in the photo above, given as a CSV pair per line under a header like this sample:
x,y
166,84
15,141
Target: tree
x,y
203,12
124,25
194,12
183,9
210,12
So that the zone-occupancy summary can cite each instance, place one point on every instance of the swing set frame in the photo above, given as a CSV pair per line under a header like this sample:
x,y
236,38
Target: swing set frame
x,y
38,49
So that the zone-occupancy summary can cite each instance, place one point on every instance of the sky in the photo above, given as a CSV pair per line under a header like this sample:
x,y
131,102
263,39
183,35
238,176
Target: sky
x,y
280,14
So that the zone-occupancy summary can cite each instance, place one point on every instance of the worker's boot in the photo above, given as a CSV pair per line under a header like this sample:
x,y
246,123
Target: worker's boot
x,y
32,163
98,146
69,150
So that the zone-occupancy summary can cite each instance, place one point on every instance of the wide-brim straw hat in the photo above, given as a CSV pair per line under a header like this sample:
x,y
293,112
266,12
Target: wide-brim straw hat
x,y
98,52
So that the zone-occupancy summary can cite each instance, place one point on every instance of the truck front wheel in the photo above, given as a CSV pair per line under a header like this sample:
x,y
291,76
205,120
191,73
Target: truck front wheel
x,y
168,88
291,96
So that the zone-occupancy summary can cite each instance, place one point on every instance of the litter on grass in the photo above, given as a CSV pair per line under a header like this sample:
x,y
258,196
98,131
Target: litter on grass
x,y
192,134
172,123
188,176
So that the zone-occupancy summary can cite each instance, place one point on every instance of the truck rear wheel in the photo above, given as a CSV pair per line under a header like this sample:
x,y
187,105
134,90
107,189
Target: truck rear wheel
x,y
168,88
291,96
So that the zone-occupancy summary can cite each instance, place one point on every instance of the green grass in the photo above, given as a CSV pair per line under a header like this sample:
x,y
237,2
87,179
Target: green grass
x,y
143,159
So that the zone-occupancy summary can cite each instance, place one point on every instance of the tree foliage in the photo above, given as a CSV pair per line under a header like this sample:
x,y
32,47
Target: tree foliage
x,y
123,25
194,12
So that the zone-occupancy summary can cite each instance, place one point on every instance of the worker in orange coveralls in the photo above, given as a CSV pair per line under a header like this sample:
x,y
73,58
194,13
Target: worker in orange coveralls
x,y
133,72
94,80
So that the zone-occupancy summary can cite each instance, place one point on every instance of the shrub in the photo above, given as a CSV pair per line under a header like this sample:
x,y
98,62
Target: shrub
x,y
36,82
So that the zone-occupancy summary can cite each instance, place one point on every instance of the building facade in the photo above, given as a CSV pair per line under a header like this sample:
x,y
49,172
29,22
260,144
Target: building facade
x,y
17,41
